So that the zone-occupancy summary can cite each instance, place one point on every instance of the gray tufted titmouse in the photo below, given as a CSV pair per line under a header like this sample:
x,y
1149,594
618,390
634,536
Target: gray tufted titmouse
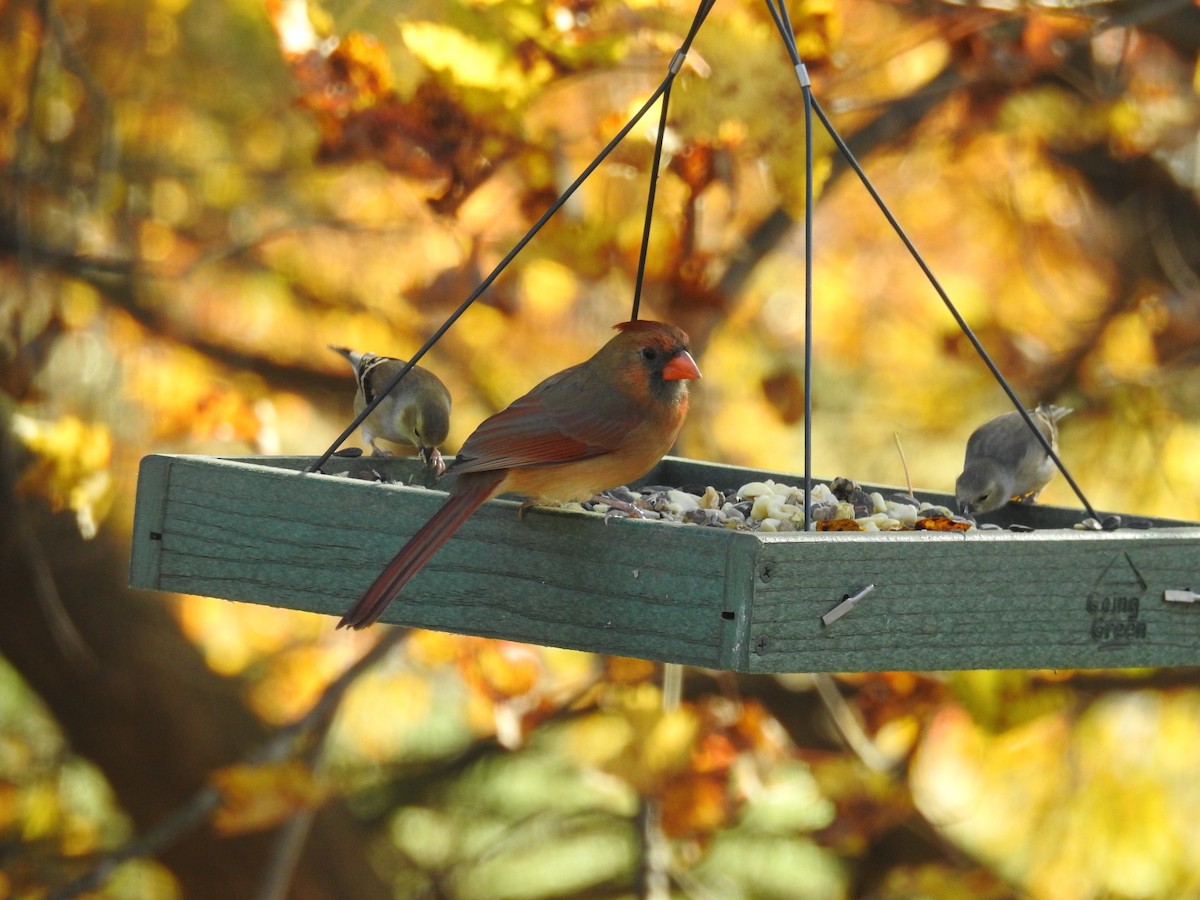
x,y
1005,461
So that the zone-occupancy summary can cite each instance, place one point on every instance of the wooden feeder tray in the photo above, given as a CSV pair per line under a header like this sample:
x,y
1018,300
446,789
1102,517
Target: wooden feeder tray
x,y
253,529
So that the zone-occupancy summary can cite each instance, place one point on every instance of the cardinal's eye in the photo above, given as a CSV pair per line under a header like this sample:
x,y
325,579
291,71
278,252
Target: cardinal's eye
x,y
649,354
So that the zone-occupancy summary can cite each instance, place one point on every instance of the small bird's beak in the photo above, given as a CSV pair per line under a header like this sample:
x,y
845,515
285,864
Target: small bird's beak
x,y
681,368
433,461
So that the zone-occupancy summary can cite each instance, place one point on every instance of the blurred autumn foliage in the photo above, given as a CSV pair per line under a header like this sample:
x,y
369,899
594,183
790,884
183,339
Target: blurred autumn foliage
x,y
197,198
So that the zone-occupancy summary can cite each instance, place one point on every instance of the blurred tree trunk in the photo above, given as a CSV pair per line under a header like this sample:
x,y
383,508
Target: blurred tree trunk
x,y
134,697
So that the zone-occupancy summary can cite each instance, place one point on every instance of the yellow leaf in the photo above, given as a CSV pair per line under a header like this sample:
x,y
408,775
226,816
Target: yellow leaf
x,y
433,649
668,746
260,797
71,466
471,61
1127,348
599,739
503,668
548,289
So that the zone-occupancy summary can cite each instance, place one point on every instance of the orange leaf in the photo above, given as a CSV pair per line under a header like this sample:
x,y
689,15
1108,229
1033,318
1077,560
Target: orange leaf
x,y
694,805
715,753
941,524
624,669
838,525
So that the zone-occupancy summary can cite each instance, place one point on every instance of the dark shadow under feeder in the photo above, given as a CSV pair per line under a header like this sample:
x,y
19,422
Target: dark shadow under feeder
x,y
252,529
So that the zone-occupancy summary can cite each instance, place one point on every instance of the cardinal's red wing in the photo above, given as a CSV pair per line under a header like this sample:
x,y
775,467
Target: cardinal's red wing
x,y
559,421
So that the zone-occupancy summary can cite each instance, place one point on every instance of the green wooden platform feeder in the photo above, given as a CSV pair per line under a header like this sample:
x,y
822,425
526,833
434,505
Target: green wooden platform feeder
x,y
254,529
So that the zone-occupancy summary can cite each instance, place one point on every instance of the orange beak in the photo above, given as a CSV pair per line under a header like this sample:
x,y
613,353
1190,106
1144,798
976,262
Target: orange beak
x,y
681,368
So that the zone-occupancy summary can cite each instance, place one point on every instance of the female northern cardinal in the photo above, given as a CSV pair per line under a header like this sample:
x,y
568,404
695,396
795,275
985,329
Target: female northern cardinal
x,y
591,427
417,412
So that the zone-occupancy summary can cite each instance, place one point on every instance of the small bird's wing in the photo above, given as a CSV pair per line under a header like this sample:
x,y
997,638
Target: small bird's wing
x,y
997,438
550,425
376,371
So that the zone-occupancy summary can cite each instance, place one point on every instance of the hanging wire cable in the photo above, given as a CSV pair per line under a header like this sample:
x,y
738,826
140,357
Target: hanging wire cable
x,y
676,62
672,70
783,23
962,323
650,193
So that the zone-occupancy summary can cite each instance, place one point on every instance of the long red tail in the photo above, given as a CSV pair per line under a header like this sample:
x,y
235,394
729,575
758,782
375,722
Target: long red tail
x,y
468,495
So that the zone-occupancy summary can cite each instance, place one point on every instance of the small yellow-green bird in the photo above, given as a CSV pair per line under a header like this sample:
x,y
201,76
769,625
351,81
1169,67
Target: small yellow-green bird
x,y
417,412
1005,461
